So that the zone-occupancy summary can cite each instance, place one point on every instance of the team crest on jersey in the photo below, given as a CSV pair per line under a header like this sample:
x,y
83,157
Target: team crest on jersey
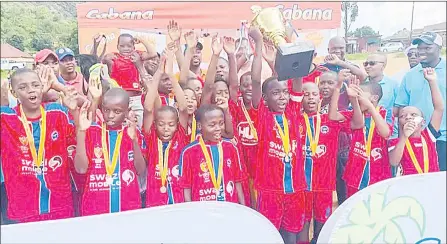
x,y
55,162
321,150
98,152
128,176
70,150
130,156
376,154
324,129
23,140
54,135
175,171
229,163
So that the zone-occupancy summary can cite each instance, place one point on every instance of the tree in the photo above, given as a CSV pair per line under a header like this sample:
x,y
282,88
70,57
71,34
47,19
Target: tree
x,y
17,42
363,31
350,11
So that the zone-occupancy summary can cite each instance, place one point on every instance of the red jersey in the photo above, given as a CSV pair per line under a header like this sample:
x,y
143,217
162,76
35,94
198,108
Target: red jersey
x,y
195,174
361,171
407,167
172,192
313,76
244,133
165,100
37,192
120,192
321,168
273,173
125,73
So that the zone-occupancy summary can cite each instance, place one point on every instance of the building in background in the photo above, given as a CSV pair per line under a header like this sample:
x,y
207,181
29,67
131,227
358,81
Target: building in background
x,y
404,35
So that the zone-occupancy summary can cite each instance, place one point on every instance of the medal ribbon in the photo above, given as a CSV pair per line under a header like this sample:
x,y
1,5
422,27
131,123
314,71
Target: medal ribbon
x,y
368,140
163,161
218,181
284,134
250,122
313,141
193,128
110,167
413,156
37,157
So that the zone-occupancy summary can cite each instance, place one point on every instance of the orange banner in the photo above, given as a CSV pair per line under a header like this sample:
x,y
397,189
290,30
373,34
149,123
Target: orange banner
x,y
202,15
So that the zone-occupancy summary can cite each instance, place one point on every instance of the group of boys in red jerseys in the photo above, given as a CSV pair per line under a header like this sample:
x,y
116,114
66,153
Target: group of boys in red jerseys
x,y
264,144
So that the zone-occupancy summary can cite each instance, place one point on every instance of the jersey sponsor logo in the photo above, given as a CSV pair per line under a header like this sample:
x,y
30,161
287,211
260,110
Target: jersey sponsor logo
x,y
321,150
128,176
376,154
277,150
24,147
230,188
203,167
100,182
55,162
324,129
208,194
359,149
54,135
245,133
175,171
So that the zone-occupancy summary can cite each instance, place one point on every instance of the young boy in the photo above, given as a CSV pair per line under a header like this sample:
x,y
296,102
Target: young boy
x,y
415,149
280,178
111,156
210,167
34,144
164,130
368,158
327,84
320,146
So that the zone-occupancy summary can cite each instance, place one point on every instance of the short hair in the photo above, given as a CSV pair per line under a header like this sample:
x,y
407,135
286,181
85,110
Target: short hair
x,y
125,35
19,72
167,108
224,59
219,79
243,75
329,72
372,87
117,92
267,83
204,109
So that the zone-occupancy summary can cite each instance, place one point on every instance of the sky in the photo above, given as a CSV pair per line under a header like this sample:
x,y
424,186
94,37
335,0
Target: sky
x,y
390,17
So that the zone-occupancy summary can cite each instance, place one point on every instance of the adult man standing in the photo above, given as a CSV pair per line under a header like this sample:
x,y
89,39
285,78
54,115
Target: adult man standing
x,y
413,55
415,91
375,65
67,69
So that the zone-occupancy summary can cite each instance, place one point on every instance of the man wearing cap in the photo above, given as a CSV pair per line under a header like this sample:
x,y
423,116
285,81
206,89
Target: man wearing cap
x,y
67,68
47,57
194,65
415,91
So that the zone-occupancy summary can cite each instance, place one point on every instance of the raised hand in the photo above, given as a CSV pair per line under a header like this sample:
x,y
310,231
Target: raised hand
x,y
4,92
409,128
85,117
131,122
95,88
172,47
217,45
137,40
174,31
45,78
343,75
269,53
430,75
255,33
69,98
136,58
332,59
191,39
229,45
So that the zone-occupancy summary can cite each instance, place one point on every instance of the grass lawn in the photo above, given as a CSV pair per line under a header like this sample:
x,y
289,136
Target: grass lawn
x,y
356,56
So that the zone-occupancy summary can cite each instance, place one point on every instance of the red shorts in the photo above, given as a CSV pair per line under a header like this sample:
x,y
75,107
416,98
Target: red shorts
x,y
285,211
351,191
319,203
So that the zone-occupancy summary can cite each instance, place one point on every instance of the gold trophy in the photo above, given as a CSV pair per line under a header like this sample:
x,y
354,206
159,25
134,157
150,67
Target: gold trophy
x,y
292,59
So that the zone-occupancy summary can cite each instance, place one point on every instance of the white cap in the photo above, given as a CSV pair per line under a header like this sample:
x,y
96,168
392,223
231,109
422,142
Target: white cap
x,y
409,48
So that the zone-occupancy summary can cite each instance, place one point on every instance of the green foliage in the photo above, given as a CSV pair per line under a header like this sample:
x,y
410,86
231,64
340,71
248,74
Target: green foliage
x,y
33,26
443,52
363,31
350,12
357,56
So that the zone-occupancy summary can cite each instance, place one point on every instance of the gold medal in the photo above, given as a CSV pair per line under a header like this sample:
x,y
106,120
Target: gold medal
x,y
163,162
109,179
313,141
285,138
216,182
163,189
110,167
413,156
39,170
37,156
